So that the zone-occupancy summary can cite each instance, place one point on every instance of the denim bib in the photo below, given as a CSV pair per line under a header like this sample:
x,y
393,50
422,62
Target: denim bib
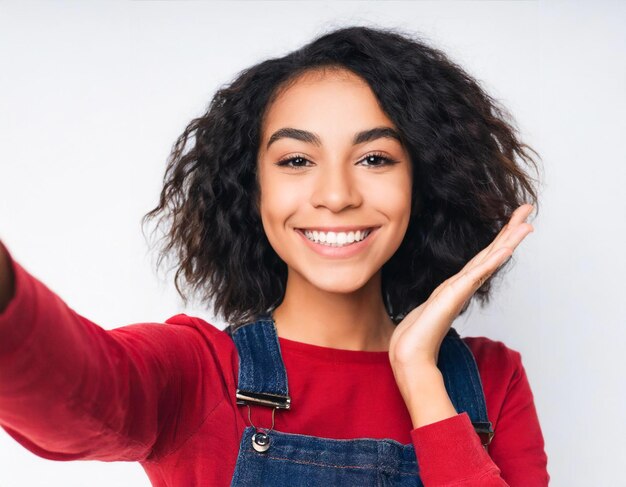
x,y
276,458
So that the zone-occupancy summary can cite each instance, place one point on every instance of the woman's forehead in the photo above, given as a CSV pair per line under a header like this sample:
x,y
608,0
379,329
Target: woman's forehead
x,y
329,106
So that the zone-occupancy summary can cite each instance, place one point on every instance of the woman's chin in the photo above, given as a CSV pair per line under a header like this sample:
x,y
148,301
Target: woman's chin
x,y
339,282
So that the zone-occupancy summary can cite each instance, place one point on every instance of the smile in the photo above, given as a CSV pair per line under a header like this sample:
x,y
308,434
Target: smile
x,y
337,244
337,239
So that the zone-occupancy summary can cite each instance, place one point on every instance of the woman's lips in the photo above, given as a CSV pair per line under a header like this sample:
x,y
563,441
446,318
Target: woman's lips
x,y
339,252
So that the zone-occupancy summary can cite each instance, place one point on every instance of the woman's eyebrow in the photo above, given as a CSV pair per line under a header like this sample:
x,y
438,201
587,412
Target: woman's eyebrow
x,y
312,138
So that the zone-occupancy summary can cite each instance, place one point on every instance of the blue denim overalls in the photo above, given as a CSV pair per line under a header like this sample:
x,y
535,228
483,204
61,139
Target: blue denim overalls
x,y
274,458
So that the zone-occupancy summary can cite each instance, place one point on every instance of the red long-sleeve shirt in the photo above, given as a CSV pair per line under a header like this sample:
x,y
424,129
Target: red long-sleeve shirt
x,y
162,394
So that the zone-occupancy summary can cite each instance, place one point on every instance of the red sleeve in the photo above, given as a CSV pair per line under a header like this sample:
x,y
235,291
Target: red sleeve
x,y
450,453
518,446
70,389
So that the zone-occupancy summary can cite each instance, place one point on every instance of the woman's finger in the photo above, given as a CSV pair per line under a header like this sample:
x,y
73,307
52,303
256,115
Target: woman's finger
x,y
468,282
473,277
510,235
451,297
517,217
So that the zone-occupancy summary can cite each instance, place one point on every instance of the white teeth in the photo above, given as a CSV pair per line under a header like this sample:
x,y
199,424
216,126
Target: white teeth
x,y
336,239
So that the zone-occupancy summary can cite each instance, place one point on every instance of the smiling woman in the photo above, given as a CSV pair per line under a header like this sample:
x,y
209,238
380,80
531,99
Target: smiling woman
x,y
380,102
338,135
339,206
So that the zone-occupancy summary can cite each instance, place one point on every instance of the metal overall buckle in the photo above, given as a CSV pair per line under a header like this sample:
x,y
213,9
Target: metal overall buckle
x,y
261,439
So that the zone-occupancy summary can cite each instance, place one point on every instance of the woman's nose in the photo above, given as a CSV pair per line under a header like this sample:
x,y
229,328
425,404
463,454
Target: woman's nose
x,y
336,187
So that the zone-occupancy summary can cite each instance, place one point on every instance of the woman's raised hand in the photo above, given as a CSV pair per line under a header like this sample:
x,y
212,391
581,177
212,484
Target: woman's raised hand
x,y
418,337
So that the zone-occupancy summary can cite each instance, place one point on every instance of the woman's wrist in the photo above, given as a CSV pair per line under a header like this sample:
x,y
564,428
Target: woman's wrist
x,y
426,397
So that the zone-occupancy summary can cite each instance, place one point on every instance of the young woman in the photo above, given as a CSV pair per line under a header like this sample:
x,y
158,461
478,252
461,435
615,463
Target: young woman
x,y
340,207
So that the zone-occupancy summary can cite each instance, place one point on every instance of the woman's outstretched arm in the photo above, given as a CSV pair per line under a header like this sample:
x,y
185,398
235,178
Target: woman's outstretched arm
x,y
70,389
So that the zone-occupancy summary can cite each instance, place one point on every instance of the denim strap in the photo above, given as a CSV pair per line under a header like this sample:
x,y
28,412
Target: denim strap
x,y
462,380
262,373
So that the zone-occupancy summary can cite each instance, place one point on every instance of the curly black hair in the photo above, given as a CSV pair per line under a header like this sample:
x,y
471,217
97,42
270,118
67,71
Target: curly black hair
x,y
464,148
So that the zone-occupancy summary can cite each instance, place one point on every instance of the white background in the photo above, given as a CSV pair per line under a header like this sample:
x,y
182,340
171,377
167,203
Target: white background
x,y
93,95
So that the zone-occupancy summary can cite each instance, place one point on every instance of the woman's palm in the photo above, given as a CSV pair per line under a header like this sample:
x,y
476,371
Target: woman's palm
x,y
417,338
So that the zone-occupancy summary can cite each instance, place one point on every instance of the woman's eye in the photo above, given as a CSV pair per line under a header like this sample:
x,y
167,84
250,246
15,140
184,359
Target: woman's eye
x,y
296,161
385,161
292,160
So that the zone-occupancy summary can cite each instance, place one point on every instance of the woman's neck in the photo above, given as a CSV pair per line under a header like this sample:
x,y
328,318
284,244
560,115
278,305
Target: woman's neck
x,y
355,321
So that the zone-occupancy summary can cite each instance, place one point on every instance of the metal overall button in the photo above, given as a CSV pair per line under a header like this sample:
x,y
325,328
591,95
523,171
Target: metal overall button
x,y
260,442
260,439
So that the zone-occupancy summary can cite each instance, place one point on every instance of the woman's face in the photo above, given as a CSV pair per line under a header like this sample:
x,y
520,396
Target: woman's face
x,y
333,181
